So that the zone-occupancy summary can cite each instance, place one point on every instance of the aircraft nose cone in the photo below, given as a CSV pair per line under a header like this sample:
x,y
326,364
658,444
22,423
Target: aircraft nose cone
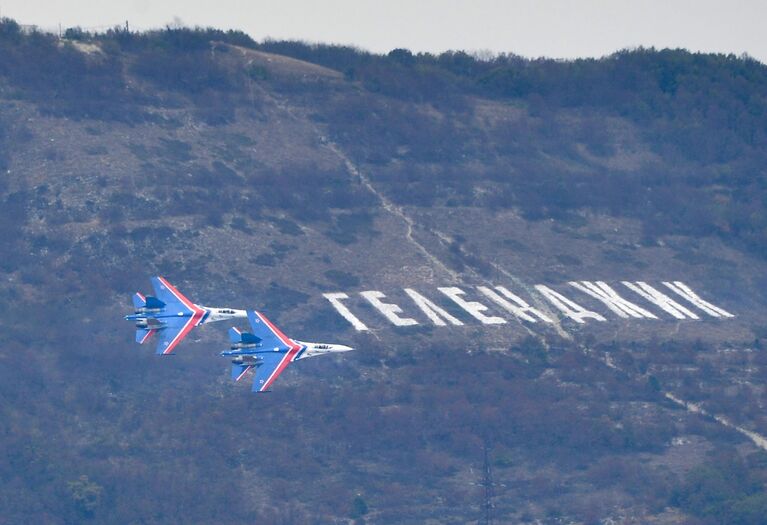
x,y
343,348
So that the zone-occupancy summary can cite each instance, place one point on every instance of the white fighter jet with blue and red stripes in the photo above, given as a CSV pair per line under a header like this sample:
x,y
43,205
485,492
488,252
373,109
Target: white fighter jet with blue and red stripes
x,y
172,316
268,351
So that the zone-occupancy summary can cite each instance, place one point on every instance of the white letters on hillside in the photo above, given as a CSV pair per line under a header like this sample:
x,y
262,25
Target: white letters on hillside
x,y
475,309
682,289
622,308
571,309
432,311
388,310
504,300
335,300
660,299
513,304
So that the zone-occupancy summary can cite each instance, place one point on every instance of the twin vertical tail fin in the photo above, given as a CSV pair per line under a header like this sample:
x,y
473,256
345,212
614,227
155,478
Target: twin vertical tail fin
x,y
237,337
242,342
144,329
141,302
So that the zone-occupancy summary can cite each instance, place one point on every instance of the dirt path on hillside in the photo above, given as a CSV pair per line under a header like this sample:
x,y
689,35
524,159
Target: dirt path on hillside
x,y
410,224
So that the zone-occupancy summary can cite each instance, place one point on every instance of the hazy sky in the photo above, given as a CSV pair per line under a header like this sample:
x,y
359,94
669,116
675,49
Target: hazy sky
x,y
554,28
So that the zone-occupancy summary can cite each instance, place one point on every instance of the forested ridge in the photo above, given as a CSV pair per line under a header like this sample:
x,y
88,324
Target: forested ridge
x,y
262,174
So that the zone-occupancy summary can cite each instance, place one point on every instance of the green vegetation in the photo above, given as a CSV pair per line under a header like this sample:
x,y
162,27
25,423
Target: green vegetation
x,y
725,490
359,507
86,495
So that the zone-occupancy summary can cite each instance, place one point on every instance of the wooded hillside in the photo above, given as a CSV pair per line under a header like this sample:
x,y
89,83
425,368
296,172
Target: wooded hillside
x,y
263,174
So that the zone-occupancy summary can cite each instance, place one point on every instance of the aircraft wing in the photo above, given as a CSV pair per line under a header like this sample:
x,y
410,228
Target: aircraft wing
x,y
271,367
271,336
172,298
173,331
283,351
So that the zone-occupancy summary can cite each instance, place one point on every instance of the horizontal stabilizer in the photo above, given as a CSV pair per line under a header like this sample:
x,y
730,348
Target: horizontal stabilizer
x,y
139,301
235,336
239,371
142,334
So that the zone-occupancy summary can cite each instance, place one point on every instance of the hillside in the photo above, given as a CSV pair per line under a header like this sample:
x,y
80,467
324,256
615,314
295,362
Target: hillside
x,y
264,175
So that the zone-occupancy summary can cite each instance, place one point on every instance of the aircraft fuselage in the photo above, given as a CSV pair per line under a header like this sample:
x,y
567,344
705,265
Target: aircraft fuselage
x,y
306,349
143,316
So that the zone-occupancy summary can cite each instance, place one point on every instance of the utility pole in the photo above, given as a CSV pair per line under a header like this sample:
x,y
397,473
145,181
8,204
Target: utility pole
x,y
127,28
487,482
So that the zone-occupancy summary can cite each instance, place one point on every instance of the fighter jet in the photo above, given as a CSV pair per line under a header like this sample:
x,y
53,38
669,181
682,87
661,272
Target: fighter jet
x,y
172,315
268,351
